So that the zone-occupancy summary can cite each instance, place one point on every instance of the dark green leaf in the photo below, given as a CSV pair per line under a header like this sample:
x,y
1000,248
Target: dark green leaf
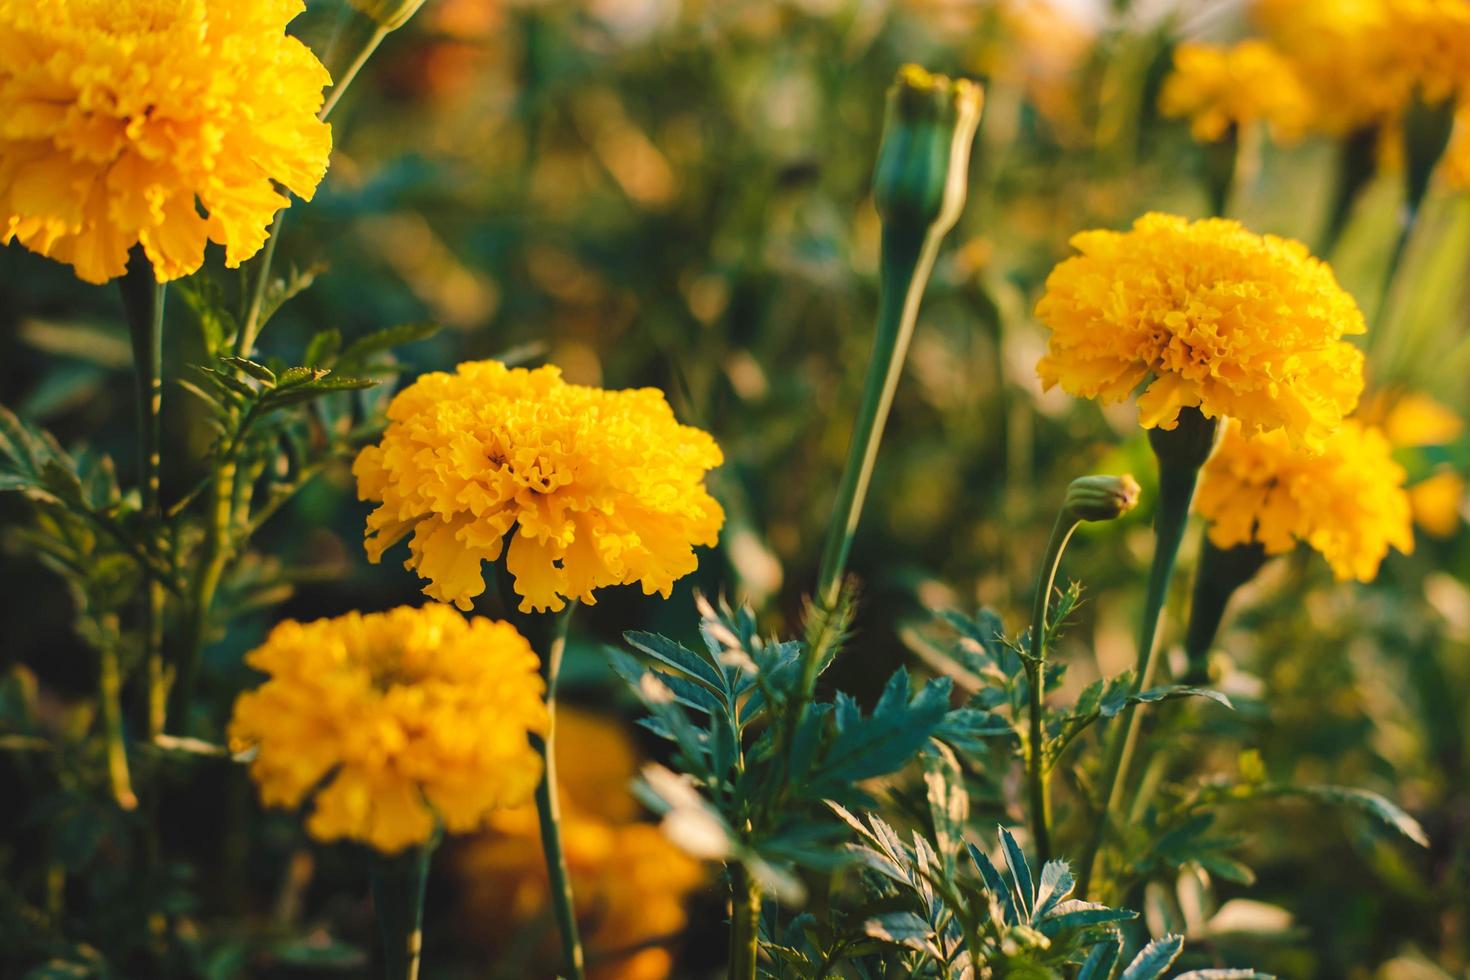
x,y
1154,959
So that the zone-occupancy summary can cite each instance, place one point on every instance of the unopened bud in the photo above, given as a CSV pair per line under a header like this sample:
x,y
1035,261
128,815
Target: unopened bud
x,y
1101,498
924,161
389,14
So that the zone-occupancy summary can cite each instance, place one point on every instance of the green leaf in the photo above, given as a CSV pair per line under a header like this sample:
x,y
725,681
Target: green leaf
x,y
255,369
323,348
903,929
994,883
889,738
967,728
701,670
1364,801
363,349
1154,959
1025,888
1103,959
1077,914
1056,884
202,295
1224,975
949,803
1173,692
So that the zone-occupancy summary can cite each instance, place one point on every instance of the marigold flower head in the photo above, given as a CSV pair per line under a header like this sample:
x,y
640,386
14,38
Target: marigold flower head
x,y
600,487
406,715
1217,88
155,122
1348,502
1210,315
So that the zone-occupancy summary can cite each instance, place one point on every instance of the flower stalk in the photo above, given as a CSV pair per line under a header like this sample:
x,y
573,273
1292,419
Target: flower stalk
x,y
745,916
919,187
1180,452
143,301
400,882
1089,498
109,696
1221,572
547,633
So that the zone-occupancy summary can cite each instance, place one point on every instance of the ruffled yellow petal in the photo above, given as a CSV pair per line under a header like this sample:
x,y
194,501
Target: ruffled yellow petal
x,y
596,487
121,119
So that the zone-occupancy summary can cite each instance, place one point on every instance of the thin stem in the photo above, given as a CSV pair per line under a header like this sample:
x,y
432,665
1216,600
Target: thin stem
x,y
216,554
109,695
550,644
1221,572
250,329
745,916
400,882
1176,490
908,258
1036,771
143,299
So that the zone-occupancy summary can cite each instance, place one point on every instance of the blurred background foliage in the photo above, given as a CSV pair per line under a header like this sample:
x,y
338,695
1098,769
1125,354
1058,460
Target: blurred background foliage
x,y
675,193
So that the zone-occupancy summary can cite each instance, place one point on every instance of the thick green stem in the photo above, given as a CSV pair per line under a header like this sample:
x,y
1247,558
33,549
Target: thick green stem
x,y
1221,572
1036,771
908,258
745,917
1180,452
399,884
143,299
109,696
547,633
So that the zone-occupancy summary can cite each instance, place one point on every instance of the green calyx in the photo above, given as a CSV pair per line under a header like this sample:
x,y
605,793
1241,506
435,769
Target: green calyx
x,y
923,163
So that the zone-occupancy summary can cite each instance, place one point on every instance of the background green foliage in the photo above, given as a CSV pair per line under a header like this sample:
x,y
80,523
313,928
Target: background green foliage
x,y
676,195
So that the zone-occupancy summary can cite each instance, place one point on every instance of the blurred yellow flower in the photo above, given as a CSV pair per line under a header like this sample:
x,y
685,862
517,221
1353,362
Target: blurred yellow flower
x,y
405,716
160,122
1413,419
1209,315
600,487
1345,54
1437,503
630,883
1219,88
1348,502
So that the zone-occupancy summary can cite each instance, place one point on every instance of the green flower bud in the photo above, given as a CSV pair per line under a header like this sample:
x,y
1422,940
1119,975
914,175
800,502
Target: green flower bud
x,y
923,163
389,14
1101,498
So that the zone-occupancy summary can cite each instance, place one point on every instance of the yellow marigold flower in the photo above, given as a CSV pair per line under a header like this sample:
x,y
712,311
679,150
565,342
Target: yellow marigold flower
x,y
1348,502
1217,88
1413,419
601,487
408,716
1345,53
629,882
160,122
1210,315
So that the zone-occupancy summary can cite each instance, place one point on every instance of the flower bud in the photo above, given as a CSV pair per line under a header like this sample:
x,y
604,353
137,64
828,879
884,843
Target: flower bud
x,y
389,14
1101,498
923,163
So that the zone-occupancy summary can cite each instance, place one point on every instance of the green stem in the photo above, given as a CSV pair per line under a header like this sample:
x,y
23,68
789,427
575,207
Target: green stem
x,y
143,299
908,258
1036,771
399,883
745,916
109,694
250,329
1181,452
216,555
1221,572
547,633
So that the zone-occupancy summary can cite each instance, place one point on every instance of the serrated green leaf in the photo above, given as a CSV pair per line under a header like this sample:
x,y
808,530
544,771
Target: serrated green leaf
x,y
363,348
700,669
1154,959
1103,959
1020,872
322,350
887,739
255,369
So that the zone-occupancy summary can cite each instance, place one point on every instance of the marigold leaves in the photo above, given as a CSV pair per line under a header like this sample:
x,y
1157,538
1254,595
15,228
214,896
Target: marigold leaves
x,y
701,669
1154,959
359,355
949,802
968,728
1364,801
903,929
884,741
